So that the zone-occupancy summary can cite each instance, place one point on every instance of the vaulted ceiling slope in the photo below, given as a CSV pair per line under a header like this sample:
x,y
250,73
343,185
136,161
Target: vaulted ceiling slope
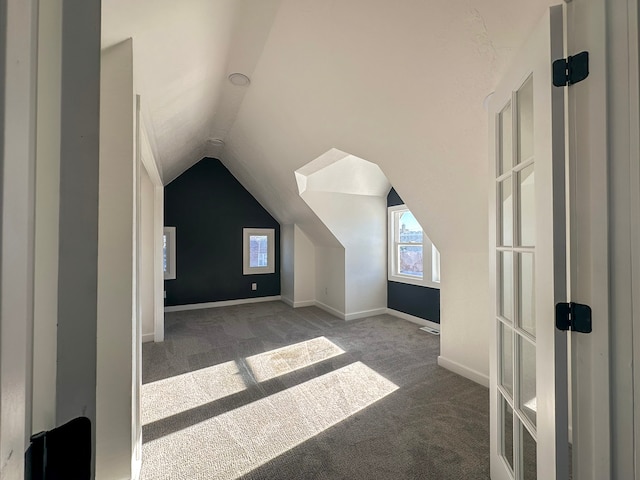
x,y
399,83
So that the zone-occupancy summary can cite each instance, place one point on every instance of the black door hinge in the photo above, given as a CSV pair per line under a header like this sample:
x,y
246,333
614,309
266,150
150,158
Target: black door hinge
x,y
573,316
570,70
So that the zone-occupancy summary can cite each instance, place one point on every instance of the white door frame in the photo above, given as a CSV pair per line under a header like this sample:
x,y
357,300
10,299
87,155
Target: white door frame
x,y
588,234
18,55
150,165
534,58
605,238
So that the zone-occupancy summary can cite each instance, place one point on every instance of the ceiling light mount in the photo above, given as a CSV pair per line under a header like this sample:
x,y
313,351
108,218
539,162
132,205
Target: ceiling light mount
x,y
239,79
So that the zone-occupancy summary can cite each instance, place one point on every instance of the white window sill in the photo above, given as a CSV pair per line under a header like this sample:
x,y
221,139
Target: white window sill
x,y
413,281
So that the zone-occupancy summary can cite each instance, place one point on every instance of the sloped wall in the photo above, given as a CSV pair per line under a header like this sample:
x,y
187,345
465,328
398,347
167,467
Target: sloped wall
x,y
209,209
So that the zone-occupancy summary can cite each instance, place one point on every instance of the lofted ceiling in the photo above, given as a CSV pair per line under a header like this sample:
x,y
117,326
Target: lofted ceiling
x,y
399,83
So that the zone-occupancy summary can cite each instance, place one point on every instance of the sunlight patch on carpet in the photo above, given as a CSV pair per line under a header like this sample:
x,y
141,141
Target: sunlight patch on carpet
x,y
178,394
239,441
281,361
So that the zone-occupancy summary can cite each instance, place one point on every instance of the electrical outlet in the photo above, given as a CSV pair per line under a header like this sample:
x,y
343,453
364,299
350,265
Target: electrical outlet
x,y
254,286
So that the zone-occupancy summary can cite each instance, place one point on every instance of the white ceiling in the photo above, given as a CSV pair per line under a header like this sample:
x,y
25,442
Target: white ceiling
x,y
399,83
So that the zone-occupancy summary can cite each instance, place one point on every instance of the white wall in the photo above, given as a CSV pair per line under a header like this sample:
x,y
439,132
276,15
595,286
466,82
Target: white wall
x,y
18,48
116,266
464,332
79,191
359,223
287,262
330,280
305,269
298,269
47,216
366,253
147,285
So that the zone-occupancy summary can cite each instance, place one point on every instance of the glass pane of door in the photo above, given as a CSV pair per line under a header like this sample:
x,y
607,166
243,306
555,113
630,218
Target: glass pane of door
x,y
527,361
525,121
507,429
526,297
506,140
506,359
506,214
527,207
529,456
506,284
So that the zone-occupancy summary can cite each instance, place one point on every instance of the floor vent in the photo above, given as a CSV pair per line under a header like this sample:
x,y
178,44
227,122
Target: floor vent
x,y
430,330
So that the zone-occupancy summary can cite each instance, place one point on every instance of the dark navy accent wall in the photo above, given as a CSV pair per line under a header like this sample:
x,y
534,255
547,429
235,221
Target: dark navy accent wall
x,y
393,198
416,300
209,209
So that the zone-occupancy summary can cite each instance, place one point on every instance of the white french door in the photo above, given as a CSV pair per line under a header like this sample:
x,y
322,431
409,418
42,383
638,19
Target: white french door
x,y
529,420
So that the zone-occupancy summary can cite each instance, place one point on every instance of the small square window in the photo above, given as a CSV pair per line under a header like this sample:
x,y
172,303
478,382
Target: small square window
x,y
258,251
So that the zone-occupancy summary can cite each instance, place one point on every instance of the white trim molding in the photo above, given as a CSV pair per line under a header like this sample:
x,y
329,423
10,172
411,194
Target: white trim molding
x,y
344,316
331,310
224,303
288,301
170,236
304,303
413,319
299,304
430,258
364,314
270,267
464,371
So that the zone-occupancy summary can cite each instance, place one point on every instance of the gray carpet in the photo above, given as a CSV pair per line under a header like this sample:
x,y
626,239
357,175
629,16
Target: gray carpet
x,y
263,391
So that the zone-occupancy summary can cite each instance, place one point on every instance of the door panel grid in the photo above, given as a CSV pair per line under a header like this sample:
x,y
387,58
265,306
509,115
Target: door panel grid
x,y
516,333
528,240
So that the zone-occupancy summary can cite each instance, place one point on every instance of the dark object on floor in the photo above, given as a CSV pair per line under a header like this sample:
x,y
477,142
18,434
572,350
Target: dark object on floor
x,y
63,453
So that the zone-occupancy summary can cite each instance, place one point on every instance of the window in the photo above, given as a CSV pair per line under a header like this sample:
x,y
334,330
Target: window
x,y
258,251
169,253
412,257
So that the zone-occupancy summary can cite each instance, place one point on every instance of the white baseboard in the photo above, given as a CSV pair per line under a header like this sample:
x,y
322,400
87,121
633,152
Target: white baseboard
x,y
136,468
365,314
304,303
225,303
413,319
466,372
148,337
328,309
299,304
344,316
